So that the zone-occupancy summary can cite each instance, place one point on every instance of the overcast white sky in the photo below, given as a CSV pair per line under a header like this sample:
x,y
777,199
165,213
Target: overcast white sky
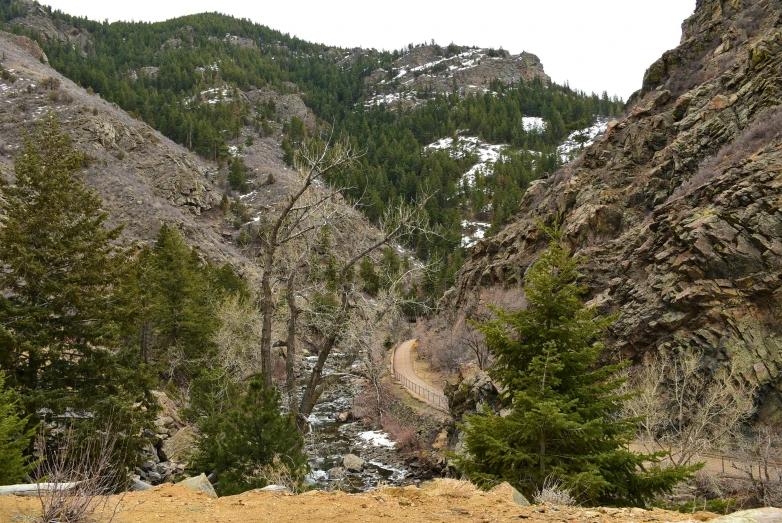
x,y
596,45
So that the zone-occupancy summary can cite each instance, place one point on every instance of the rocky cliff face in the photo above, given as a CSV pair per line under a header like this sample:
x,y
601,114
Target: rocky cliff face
x,y
433,69
677,207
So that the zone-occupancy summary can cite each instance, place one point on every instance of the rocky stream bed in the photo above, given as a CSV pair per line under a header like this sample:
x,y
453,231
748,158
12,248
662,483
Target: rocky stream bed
x,y
371,455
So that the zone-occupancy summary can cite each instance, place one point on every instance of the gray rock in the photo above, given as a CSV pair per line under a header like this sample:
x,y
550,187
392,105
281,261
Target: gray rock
x,y
757,515
155,478
274,488
353,463
136,485
511,494
336,473
199,483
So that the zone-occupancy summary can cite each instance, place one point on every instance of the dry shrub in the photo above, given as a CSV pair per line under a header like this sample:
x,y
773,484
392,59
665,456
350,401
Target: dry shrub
x,y
406,438
759,459
451,488
277,474
371,406
76,480
554,492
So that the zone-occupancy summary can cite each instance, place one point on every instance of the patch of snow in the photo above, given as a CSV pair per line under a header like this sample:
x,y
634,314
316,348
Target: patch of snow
x,y
577,141
476,231
377,438
487,154
529,123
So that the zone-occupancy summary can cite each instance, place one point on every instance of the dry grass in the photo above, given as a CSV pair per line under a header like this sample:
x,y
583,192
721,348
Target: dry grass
x,y
450,488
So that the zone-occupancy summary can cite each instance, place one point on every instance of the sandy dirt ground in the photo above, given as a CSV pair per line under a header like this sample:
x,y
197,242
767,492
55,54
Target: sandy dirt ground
x,y
174,503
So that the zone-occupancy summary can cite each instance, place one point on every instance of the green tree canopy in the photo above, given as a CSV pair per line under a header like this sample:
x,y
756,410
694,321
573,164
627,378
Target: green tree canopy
x,y
243,432
564,408
14,438
58,304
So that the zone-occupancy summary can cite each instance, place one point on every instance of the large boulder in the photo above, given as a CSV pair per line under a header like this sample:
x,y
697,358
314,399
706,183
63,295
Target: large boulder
x,y
507,492
757,515
199,483
353,463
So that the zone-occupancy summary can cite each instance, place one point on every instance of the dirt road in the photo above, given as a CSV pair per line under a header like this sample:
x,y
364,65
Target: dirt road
x,y
403,371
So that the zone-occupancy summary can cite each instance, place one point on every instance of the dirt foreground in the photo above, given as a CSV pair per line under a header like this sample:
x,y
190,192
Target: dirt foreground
x,y
438,502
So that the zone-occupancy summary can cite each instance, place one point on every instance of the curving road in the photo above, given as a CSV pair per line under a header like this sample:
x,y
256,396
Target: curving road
x,y
403,371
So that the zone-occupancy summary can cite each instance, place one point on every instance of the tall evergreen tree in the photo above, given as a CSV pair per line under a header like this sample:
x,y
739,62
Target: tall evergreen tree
x,y
60,270
564,418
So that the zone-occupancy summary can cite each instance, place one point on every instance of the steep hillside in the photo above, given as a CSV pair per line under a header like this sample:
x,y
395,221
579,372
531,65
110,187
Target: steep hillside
x,y
143,177
677,207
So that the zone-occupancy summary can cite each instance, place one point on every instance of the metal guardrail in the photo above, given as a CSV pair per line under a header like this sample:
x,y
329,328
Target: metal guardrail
x,y
436,400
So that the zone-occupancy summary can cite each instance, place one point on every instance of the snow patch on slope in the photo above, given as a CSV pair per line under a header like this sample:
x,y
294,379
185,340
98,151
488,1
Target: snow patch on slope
x,y
487,154
577,141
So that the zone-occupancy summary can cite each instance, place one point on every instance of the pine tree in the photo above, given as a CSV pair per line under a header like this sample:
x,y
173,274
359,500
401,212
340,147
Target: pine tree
x,y
243,432
58,306
14,438
564,418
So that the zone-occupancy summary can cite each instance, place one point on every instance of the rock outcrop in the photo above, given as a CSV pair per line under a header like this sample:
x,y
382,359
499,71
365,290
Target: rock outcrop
x,y
431,68
677,207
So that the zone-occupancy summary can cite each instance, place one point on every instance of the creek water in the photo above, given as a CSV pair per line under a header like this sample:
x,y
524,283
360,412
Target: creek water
x,y
330,440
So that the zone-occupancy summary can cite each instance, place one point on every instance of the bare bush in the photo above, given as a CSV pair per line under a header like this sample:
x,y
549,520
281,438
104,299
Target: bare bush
x,y
406,438
443,349
80,477
236,338
554,492
759,459
278,474
686,409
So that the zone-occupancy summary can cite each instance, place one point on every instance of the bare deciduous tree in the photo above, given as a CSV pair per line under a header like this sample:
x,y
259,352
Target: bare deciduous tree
x,y
294,220
286,237
685,409
760,460
397,223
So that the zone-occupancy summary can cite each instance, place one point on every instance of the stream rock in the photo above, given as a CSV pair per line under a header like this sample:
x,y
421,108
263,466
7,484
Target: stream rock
x,y
353,463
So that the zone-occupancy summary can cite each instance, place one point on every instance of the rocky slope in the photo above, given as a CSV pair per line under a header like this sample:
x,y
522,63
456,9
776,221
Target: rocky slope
x,y
432,69
144,178
677,207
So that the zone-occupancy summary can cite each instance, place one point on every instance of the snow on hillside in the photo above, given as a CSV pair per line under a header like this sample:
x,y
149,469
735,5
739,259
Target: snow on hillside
x,y
529,123
578,140
389,99
472,232
487,153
